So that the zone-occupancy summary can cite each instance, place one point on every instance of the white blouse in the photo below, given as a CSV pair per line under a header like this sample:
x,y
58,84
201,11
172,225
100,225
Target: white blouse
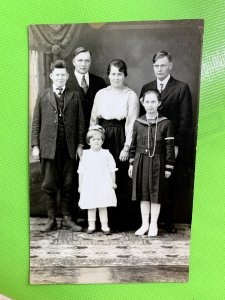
x,y
110,103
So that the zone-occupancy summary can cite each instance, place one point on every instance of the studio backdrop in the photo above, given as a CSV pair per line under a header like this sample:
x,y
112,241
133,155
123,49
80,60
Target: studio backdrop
x,y
135,43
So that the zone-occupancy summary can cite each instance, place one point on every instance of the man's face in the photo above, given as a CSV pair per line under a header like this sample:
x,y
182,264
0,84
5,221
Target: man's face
x,y
82,62
59,77
162,68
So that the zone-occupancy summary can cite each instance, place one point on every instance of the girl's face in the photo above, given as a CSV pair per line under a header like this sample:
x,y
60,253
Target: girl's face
x,y
96,142
151,103
116,77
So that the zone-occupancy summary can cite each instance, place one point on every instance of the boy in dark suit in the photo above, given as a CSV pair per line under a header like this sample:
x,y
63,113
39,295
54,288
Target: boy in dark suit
x,y
57,138
176,106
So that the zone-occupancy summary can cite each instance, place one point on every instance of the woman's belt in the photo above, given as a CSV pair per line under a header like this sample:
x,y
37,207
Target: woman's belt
x,y
112,123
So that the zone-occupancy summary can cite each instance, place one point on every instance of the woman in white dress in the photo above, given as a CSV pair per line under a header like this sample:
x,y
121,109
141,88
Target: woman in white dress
x,y
97,180
115,108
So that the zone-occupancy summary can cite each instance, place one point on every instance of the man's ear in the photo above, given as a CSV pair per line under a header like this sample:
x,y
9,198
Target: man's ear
x,y
50,75
171,65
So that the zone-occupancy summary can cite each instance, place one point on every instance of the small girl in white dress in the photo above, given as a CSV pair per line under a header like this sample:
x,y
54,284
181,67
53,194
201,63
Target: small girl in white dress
x,y
97,180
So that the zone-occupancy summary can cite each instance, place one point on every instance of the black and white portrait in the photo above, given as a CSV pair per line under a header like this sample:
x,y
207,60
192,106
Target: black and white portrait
x,y
113,112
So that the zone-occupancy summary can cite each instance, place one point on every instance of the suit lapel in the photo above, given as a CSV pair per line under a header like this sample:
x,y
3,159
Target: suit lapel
x,y
51,98
169,88
67,98
76,84
154,85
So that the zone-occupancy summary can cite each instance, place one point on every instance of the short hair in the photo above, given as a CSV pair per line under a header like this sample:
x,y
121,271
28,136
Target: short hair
x,y
161,54
93,130
80,50
58,64
152,91
120,64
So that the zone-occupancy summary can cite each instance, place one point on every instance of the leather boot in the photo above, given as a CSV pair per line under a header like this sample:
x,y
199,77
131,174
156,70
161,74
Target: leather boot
x,y
50,225
68,223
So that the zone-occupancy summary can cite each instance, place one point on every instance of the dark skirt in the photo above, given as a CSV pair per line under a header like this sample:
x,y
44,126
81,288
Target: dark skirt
x,y
149,183
114,141
114,136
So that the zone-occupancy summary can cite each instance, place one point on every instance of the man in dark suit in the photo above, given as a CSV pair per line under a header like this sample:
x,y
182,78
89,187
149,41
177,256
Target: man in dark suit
x,y
177,106
57,138
85,83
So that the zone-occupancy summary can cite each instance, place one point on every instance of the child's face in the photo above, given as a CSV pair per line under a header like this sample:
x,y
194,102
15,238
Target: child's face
x,y
96,142
59,77
151,103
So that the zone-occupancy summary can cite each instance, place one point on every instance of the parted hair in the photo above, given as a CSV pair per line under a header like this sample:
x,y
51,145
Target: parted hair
x,y
152,91
161,54
80,50
120,64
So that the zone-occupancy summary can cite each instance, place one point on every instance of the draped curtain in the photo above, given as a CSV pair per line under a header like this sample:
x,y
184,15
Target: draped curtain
x,y
47,43
54,39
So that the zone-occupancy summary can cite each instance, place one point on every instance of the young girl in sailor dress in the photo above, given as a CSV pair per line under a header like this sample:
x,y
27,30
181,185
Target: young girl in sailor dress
x,y
97,180
151,161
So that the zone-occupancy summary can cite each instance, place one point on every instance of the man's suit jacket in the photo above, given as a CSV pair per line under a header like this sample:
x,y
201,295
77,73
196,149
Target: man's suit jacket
x,y
45,123
176,106
95,84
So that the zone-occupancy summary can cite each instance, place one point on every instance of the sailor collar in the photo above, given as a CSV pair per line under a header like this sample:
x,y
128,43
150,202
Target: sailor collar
x,y
144,121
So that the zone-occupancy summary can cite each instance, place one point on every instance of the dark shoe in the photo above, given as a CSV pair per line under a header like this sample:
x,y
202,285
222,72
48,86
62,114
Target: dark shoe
x,y
68,223
90,231
171,228
49,226
106,232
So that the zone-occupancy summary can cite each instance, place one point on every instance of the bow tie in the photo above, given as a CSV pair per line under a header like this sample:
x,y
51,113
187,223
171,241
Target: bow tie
x,y
59,91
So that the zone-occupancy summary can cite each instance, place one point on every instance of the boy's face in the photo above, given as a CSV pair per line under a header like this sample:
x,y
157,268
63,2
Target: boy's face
x,y
59,77
151,103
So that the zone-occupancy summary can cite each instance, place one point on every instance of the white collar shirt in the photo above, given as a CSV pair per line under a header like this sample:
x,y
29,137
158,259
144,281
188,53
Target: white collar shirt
x,y
164,82
56,91
80,76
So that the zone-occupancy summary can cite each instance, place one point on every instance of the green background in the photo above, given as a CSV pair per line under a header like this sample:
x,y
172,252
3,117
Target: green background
x,y
207,262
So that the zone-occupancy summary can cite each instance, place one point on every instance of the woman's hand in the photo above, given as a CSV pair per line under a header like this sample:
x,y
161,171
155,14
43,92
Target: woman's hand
x,y
124,154
130,171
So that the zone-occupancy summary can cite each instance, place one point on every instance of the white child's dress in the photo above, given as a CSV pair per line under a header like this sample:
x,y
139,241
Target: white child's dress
x,y
96,190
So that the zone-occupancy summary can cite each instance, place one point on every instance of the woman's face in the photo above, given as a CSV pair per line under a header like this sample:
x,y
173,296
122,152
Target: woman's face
x,y
116,77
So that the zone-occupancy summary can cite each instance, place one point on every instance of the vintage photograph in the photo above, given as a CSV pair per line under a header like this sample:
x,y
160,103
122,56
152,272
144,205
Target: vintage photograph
x,y
113,118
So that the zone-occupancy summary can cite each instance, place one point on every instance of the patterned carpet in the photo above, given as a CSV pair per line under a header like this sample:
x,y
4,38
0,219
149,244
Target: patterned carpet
x,y
68,249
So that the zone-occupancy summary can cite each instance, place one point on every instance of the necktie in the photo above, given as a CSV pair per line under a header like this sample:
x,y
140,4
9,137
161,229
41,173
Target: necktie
x,y
161,87
59,89
84,84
